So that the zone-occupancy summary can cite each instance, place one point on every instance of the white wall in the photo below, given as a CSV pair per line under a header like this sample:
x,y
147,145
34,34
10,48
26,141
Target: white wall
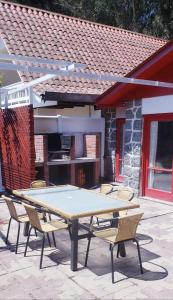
x,y
157,105
72,125
86,111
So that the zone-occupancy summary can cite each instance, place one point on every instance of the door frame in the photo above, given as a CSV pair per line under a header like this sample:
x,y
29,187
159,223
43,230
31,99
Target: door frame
x,y
119,123
145,191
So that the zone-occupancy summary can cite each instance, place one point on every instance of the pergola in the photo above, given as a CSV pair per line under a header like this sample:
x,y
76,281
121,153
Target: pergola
x,y
19,94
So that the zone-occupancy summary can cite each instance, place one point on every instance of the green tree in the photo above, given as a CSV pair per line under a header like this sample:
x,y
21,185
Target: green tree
x,y
147,16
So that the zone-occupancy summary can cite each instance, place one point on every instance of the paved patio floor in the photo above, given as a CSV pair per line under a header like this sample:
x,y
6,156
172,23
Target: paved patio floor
x,y
20,277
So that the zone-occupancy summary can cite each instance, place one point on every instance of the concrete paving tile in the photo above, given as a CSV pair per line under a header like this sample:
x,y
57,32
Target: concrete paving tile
x,y
21,278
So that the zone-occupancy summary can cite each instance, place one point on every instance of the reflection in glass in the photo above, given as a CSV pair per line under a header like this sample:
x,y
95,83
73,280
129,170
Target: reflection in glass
x,y
161,155
160,180
161,144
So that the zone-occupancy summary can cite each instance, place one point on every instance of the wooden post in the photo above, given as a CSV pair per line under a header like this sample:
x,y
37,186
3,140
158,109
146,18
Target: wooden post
x,y
72,166
97,163
45,158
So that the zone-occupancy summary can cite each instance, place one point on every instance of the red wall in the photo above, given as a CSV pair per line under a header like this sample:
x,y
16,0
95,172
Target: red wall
x,y
90,145
17,147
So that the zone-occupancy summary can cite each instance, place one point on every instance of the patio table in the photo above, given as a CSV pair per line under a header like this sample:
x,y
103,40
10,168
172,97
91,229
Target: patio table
x,y
73,203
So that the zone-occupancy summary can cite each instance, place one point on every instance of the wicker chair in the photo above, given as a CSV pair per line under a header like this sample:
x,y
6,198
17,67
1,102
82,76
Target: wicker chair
x,y
44,228
38,184
126,231
106,188
123,193
15,216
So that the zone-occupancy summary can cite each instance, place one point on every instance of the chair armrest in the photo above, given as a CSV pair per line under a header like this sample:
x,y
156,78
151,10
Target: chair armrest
x,y
98,228
17,201
12,197
52,184
41,209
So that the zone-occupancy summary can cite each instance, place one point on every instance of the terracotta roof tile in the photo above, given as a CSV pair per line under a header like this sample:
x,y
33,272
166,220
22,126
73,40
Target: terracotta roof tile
x,y
104,49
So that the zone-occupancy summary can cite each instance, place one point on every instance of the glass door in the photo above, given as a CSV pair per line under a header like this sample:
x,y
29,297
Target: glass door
x,y
159,163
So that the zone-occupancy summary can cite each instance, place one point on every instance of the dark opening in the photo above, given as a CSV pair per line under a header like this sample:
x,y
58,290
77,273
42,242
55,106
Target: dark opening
x,y
54,142
59,174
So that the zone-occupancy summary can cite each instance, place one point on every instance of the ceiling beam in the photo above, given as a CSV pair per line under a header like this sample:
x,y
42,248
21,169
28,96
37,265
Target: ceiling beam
x,y
90,76
61,63
69,97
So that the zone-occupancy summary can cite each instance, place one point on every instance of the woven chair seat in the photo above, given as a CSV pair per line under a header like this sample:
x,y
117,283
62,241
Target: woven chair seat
x,y
105,216
122,213
107,234
53,226
125,231
44,228
23,218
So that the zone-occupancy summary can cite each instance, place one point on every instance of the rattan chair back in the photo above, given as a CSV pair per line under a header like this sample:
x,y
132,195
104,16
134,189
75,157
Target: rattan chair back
x,y
33,216
11,207
124,193
127,227
106,188
38,184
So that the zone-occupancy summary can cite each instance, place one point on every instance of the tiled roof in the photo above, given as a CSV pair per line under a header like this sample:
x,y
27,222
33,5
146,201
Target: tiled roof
x,y
104,49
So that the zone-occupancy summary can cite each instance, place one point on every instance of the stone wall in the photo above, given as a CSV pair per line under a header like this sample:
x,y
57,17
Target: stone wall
x,y
133,142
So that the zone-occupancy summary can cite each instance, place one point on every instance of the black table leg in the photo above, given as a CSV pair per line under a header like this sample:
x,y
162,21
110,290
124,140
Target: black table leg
x,y
121,244
74,245
26,229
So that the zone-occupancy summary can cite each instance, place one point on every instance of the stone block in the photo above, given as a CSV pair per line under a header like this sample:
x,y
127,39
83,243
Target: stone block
x,y
136,137
136,149
136,172
127,171
138,113
129,114
128,124
136,161
138,102
128,148
134,184
128,136
127,160
137,125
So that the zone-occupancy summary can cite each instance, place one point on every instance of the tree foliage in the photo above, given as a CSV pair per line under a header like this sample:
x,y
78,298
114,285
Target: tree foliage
x,y
146,16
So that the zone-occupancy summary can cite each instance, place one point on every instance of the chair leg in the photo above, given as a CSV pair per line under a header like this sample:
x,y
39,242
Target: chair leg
x,y
48,239
69,231
88,247
18,233
54,241
29,232
44,217
91,220
42,249
139,255
118,250
9,223
112,262
35,232
49,216
98,222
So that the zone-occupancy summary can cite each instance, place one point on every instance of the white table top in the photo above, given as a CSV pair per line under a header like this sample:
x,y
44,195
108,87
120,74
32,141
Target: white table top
x,y
73,202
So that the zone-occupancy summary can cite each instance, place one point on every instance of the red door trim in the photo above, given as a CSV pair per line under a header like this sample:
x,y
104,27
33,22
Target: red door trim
x,y
145,158
119,124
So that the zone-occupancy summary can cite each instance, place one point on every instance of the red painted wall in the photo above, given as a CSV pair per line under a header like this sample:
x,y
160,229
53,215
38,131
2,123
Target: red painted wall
x,y
90,145
17,147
